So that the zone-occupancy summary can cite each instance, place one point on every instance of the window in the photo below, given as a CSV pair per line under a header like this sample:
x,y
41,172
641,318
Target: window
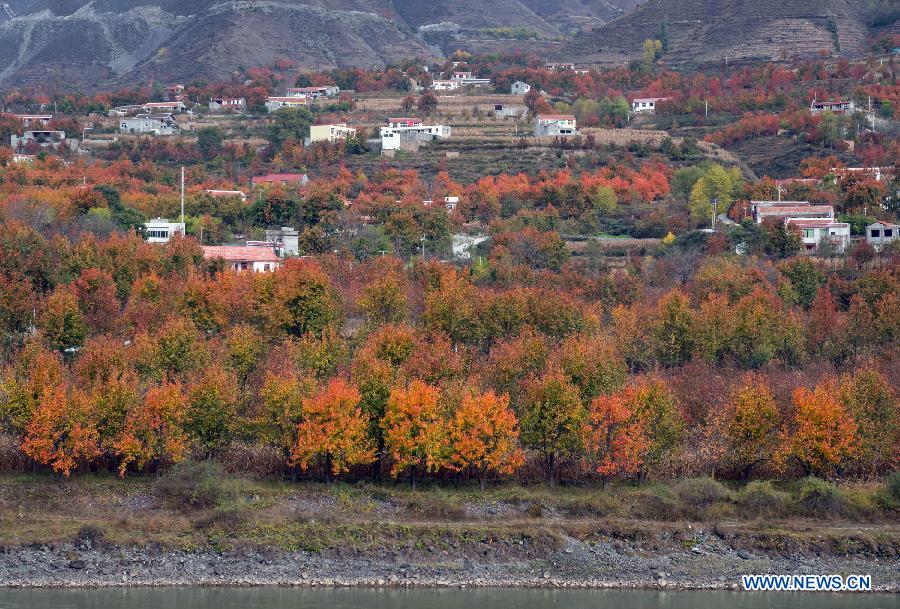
x,y
876,233
888,233
808,233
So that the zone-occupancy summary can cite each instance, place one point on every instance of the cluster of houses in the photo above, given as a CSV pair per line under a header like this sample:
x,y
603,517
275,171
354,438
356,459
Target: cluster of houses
x,y
301,96
408,134
457,80
817,224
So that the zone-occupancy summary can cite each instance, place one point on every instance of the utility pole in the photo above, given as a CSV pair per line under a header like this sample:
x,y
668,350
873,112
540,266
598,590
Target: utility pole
x,y
423,246
715,211
182,203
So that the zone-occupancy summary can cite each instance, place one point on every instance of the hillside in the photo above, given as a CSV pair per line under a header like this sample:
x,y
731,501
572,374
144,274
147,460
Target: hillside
x,y
703,32
109,42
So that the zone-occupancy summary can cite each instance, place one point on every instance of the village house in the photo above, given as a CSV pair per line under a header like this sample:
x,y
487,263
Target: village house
x,y
509,110
519,88
149,124
782,210
240,258
285,240
52,140
31,119
445,85
172,107
640,105
273,104
560,66
837,107
227,194
866,172
408,133
23,158
318,92
555,125
282,179
175,92
125,111
223,104
329,133
815,231
160,230
882,233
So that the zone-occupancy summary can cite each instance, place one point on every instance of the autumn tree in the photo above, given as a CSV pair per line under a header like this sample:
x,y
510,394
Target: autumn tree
x,y
593,364
868,397
414,430
305,300
751,425
715,191
658,410
61,432
823,436
551,420
615,436
211,409
62,321
484,436
333,428
673,330
384,300
282,394
154,430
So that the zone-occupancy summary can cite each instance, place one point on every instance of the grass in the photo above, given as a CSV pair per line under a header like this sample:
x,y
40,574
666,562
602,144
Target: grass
x,y
372,518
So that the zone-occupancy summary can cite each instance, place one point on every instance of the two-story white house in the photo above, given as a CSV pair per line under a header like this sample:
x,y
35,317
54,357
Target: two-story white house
x,y
882,233
555,125
160,230
519,88
330,133
815,231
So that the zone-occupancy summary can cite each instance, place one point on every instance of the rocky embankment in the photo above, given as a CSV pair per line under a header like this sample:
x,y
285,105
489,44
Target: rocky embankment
x,y
707,562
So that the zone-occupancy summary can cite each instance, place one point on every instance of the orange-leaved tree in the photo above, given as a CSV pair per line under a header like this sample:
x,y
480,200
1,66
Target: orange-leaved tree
x,y
334,429
154,429
616,439
823,437
414,430
484,436
61,433
751,425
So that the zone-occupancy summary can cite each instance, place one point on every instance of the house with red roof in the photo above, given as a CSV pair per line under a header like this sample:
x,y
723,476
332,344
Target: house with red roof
x,y
815,231
282,179
241,258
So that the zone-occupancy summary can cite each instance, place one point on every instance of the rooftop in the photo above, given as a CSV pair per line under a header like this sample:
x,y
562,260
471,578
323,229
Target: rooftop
x,y
240,253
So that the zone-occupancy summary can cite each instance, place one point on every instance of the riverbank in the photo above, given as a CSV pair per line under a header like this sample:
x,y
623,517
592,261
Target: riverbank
x,y
104,532
709,565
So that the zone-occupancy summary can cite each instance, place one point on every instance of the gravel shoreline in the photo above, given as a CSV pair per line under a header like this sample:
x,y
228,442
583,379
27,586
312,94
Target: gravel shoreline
x,y
708,565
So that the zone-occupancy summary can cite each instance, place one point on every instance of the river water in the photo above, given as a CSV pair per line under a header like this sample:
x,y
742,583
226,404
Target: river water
x,y
329,598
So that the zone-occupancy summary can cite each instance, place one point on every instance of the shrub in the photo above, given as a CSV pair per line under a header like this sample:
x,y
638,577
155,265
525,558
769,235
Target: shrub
x,y
820,499
759,499
893,486
697,495
191,486
654,504
593,505
434,506
90,533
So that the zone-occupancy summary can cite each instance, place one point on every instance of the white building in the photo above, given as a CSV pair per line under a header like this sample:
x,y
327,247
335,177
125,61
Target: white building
x,y
164,107
273,104
402,133
881,233
445,85
838,107
316,92
782,210
286,240
330,133
555,125
640,105
160,230
814,231
240,194
519,88
224,104
154,124
509,110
